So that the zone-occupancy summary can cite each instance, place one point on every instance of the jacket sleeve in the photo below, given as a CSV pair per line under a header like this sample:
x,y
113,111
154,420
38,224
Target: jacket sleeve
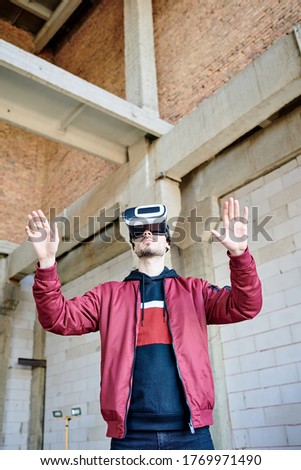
x,y
241,301
61,316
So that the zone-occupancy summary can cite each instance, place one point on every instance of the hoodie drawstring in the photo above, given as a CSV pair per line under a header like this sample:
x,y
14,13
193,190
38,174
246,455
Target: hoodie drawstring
x,y
145,280
143,296
165,304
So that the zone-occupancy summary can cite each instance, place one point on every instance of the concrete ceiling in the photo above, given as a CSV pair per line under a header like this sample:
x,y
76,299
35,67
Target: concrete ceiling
x,y
43,18
47,100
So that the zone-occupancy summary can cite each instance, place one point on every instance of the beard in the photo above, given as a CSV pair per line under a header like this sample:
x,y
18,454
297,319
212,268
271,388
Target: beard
x,y
150,250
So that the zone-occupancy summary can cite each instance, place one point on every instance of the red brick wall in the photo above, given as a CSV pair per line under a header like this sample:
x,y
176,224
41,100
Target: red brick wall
x,y
69,174
16,36
21,161
95,51
201,44
21,179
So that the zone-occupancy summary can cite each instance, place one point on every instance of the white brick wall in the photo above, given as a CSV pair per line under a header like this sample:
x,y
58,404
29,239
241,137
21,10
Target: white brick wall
x,y
263,356
16,411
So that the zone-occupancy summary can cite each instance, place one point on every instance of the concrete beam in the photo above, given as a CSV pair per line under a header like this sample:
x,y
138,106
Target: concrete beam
x,y
104,247
34,8
261,89
54,129
45,73
61,14
49,101
140,64
258,155
7,247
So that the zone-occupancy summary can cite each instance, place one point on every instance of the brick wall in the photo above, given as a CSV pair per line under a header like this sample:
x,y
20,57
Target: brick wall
x,y
69,174
262,357
37,173
21,179
16,36
200,45
95,50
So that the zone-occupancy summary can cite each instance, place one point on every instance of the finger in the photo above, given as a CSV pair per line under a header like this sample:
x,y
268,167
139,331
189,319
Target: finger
x,y
35,220
236,209
226,214
38,220
32,235
216,234
231,208
32,222
43,218
28,231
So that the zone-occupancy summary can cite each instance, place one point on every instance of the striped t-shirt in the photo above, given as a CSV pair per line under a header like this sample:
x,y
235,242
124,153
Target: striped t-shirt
x,y
157,400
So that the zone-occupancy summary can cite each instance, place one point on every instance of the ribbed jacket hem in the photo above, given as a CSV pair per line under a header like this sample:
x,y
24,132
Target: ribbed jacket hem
x,y
153,422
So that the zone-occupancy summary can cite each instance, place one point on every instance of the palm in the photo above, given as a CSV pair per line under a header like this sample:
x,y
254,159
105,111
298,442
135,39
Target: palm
x,y
234,235
45,239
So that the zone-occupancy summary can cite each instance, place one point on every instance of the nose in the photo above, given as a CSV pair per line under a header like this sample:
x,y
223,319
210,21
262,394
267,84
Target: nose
x,y
147,233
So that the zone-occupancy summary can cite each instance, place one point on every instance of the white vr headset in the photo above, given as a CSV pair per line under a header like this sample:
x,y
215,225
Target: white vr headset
x,y
151,217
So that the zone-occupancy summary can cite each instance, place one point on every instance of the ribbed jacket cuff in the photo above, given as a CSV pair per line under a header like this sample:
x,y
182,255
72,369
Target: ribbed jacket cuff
x,y
46,274
240,261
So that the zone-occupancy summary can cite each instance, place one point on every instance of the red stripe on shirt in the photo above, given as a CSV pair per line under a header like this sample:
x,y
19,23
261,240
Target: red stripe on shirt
x,y
154,330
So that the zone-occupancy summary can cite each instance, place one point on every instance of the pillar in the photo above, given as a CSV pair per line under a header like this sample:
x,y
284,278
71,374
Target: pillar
x,y
140,64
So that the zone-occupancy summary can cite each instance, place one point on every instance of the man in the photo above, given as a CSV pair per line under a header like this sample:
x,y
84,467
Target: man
x,y
157,387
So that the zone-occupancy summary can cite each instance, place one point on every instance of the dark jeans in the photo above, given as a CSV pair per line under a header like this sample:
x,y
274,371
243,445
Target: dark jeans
x,y
170,440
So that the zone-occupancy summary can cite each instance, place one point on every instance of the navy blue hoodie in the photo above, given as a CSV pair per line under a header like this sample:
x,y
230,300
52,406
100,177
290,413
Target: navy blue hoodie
x,y
158,401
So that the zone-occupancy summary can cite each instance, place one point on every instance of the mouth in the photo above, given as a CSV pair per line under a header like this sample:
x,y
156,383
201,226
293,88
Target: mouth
x,y
148,240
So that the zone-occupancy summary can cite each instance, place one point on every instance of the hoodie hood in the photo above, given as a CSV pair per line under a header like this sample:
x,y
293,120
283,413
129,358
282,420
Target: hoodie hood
x,y
145,279
136,275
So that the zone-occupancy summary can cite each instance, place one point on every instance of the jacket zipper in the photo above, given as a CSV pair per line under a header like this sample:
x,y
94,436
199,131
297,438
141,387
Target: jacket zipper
x,y
190,424
132,371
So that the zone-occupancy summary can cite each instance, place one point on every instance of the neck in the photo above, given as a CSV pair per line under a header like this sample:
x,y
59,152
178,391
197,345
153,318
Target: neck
x,y
152,266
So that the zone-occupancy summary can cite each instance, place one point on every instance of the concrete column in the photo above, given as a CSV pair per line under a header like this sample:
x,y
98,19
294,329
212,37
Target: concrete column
x,y
5,336
37,396
9,298
198,263
144,189
140,64
167,192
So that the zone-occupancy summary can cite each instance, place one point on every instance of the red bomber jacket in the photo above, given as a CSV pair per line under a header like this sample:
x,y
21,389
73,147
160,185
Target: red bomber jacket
x,y
112,309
